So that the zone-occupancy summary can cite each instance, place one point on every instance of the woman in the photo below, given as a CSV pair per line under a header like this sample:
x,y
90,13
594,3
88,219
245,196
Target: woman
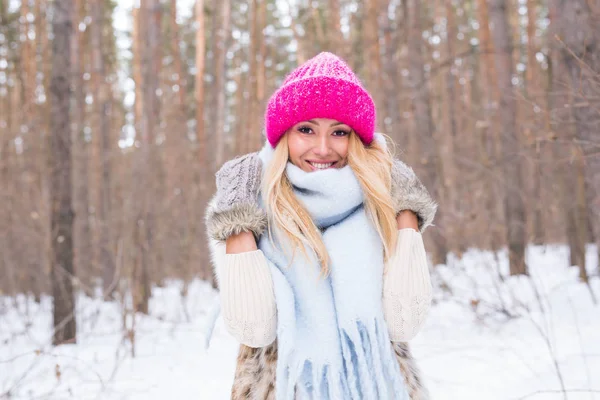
x,y
317,245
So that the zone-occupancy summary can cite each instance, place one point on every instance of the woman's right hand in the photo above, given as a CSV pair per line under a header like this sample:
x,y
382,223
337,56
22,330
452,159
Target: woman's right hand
x,y
235,207
240,243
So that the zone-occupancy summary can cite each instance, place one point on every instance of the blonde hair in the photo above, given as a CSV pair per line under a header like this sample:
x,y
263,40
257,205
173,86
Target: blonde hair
x,y
372,166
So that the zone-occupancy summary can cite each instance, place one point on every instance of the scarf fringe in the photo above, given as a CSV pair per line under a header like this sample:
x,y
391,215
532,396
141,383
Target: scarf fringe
x,y
363,348
365,375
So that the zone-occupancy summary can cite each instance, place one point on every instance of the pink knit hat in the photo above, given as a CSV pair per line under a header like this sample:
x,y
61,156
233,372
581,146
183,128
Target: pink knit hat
x,y
322,87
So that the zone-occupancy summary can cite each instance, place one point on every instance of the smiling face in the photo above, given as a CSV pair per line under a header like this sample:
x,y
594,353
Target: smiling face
x,y
319,143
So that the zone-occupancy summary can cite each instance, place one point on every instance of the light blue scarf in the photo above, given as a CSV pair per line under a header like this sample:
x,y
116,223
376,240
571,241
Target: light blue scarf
x,y
332,338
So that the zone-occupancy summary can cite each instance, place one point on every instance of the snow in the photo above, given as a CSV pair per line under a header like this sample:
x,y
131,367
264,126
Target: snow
x,y
488,336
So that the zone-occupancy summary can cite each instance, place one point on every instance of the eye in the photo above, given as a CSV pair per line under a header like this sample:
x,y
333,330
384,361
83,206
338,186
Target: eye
x,y
341,132
304,129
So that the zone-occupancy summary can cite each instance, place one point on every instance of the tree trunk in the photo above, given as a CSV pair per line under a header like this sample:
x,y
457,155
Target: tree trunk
x,y
424,127
256,74
301,55
199,84
490,127
577,28
102,109
515,216
83,238
241,109
136,44
27,62
203,180
180,158
60,170
33,135
531,85
391,75
373,58
261,74
338,42
176,52
221,47
8,266
252,78
144,164
559,128
450,185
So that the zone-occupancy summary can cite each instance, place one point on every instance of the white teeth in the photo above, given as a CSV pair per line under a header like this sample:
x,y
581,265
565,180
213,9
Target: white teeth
x,y
321,166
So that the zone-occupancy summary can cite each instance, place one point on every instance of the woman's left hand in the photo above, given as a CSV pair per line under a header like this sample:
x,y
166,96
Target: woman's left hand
x,y
408,193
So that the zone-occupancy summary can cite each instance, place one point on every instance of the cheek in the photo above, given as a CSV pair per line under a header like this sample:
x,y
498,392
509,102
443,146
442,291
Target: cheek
x,y
342,148
295,148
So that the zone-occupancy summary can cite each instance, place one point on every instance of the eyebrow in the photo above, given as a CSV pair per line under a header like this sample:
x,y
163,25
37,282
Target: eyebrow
x,y
334,124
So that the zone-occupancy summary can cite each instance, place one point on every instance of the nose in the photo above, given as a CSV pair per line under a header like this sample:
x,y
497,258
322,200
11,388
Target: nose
x,y
322,148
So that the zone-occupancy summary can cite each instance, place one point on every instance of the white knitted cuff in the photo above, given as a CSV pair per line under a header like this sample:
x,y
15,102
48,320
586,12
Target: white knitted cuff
x,y
407,289
248,299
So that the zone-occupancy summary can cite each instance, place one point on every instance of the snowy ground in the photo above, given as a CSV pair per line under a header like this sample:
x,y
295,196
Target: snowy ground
x,y
486,338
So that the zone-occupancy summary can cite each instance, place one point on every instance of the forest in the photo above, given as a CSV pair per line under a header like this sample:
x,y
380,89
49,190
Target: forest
x,y
115,116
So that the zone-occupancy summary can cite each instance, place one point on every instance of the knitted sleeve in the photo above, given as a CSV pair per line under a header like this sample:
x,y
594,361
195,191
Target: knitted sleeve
x,y
247,298
407,289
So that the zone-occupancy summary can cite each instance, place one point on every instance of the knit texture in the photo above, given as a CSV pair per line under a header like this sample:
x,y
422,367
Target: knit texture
x,y
407,290
331,332
247,298
409,193
322,87
234,209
